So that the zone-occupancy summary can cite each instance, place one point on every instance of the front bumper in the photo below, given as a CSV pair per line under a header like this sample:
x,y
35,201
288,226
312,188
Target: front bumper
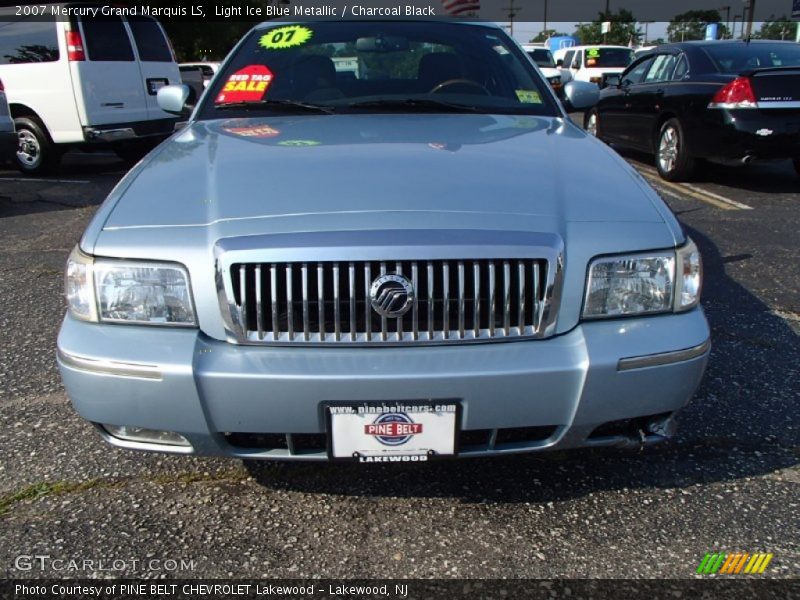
x,y
605,383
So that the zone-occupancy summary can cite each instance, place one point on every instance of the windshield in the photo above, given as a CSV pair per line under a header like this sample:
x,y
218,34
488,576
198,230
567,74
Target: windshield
x,y
542,57
734,58
608,57
359,66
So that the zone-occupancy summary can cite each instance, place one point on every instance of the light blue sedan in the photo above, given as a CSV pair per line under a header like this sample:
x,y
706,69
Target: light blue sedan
x,y
381,242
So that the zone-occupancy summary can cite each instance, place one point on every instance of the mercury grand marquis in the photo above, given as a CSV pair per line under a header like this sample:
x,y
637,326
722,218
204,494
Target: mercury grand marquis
x,y
371,243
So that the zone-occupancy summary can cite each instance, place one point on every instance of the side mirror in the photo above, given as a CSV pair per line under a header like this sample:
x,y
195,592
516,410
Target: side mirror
x,y
560,62
612,80
173,98
581,95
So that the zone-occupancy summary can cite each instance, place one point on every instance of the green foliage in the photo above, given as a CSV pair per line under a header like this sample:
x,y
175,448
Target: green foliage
x,y
777,29
691,25
623,29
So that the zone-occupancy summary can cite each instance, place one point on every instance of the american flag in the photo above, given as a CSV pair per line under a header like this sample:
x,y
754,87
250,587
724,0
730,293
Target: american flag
x,y
461,7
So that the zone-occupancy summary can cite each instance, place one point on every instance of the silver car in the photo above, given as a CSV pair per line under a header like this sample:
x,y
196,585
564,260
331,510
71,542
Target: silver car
x,y
370,243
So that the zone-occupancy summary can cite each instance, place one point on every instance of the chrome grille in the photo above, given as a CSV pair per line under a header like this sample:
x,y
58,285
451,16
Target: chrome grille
x,y
329,302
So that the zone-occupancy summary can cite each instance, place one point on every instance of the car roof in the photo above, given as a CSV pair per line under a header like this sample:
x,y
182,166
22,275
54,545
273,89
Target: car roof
x,y
708,43
489,24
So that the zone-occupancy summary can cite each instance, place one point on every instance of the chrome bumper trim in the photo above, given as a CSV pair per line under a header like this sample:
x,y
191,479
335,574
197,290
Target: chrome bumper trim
x,y
107,367
665,358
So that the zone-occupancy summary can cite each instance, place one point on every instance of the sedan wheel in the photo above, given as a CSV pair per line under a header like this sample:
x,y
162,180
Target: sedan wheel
x,y
591,124
672,156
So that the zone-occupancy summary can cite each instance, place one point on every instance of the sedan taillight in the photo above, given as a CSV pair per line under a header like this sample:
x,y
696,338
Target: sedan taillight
x,y
737,94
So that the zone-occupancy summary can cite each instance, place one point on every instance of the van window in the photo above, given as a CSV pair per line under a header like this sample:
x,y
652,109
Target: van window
x,y
106,39
150,41
28,41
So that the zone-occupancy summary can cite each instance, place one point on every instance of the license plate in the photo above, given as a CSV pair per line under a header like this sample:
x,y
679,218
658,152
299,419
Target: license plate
x,y
392,431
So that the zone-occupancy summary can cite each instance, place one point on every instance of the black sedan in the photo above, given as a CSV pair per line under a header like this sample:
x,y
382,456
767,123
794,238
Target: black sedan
x,y
730,101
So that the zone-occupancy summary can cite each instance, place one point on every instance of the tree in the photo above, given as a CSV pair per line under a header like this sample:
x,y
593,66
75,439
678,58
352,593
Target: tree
x,y
777,29
543,35
691,25
623,29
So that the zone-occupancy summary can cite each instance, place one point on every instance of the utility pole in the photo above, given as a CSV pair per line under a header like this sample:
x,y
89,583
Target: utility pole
x,y
512,12
544,29
727,10
608,18
749,10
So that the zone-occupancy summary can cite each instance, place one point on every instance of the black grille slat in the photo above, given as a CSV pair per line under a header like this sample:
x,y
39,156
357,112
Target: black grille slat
x,y
314,302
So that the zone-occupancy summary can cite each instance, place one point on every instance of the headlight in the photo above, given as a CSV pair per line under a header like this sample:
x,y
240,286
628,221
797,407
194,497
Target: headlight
x,y
121,291
646,283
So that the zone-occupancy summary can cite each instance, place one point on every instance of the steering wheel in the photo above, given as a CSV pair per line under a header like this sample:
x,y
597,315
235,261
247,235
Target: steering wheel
x,y
463,82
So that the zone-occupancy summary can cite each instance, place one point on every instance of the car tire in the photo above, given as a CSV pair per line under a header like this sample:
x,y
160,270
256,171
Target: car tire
x,y
796,162
591,122
673,160
36,153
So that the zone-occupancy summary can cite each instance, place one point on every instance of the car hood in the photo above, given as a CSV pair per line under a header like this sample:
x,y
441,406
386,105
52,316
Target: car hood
x,y
305,166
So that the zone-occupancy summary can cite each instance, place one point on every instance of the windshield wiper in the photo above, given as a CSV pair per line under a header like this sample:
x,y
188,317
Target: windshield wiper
x,y
420,103
283,105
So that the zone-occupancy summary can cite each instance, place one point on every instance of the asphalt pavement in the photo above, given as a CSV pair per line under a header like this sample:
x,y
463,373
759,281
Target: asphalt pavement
x,y
728,483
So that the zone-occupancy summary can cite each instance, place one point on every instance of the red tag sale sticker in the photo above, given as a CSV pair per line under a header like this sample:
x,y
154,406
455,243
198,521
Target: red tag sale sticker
x,y
246,85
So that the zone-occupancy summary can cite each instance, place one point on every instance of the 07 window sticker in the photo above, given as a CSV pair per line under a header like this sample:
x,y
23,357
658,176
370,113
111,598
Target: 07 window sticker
x,y
285,37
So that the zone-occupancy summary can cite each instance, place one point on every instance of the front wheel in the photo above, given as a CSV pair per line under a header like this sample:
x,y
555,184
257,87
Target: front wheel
x,y
796,162
36,154
672,156
591,122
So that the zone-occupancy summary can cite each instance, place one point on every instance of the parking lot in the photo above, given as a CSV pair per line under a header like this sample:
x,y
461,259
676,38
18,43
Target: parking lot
x,y
729,482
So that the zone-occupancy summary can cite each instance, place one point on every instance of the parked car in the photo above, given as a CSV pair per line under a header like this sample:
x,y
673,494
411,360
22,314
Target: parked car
x,y
84,82
592,63
206,68
720,100
546,63
8,135
387,265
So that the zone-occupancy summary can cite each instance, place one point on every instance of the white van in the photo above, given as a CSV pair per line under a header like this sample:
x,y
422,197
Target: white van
x,y
84,81
591,63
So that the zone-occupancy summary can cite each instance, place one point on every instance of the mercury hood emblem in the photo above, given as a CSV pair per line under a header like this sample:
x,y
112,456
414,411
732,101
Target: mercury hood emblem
x,y
391,295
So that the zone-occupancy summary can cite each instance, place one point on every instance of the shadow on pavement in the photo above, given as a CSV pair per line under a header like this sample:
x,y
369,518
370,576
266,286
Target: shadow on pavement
x,y
768,177
82,180
743,422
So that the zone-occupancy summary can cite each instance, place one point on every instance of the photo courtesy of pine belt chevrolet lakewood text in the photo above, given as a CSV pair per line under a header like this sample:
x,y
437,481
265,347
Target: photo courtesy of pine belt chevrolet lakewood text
x,y
367,244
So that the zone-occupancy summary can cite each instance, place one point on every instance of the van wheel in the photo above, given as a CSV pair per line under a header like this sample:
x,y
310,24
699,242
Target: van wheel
x,y
672,156
36,154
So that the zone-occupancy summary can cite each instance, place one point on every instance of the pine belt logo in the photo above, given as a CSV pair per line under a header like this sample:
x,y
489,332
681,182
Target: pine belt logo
x,y
738,563
393,429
